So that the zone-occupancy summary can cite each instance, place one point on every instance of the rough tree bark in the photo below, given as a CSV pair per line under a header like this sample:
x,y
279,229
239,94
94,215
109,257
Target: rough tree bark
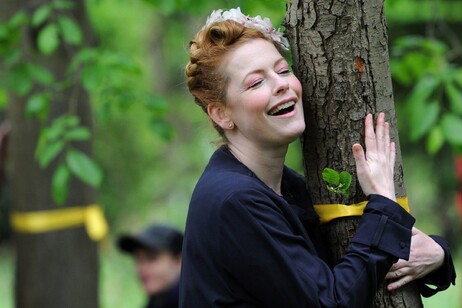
x,y
340,55
54,269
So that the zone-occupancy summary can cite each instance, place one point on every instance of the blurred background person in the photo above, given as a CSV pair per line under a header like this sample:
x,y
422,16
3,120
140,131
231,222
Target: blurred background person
x,y
157,254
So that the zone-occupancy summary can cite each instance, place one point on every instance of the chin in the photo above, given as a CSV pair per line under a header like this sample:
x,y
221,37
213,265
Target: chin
x,y
299,129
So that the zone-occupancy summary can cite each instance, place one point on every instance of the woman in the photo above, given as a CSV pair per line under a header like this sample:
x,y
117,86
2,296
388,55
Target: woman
x,y
251,237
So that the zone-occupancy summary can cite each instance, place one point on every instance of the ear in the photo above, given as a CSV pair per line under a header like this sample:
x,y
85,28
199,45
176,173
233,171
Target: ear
x,y
218,114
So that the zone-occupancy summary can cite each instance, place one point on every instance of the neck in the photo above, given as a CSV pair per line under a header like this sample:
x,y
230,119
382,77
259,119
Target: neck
x,y
266,163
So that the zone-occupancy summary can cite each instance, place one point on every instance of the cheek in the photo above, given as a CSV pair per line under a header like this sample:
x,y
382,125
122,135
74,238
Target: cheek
x,y
258,100
296,86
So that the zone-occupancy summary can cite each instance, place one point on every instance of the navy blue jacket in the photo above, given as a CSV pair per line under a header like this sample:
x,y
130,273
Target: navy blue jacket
x,y
246,246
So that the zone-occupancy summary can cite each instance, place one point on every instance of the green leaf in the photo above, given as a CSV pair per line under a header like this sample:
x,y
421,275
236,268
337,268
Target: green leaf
x,y
345,180
422,91
423,118
19,19
70,30
19,79
455,98
48,39
41,142
56,129
12,57
331,176
92,77
40,74
38,105
71,121
78,134
3,99
452,128
84,168
84,56
435,140
49,152
458,76
158,105
4,32
162,129
41,15
60,184
64,5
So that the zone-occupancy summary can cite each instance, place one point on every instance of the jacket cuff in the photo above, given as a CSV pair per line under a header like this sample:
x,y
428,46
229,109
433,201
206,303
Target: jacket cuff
x,y
385,226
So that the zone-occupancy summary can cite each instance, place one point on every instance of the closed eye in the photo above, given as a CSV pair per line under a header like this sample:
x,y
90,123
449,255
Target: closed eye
x,y
256,84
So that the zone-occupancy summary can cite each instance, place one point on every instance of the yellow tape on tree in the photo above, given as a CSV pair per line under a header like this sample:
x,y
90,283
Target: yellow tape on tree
x,y
328,212
91,216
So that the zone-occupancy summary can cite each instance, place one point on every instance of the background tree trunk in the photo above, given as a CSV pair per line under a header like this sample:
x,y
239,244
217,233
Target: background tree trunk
x,y
340,55
54,269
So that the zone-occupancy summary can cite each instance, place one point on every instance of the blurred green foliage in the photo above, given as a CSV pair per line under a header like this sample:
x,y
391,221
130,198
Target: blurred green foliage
x,y
434,106
152,142
149,177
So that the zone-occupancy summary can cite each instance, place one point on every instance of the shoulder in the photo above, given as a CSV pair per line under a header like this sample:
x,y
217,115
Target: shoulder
x,y
226,178
223,187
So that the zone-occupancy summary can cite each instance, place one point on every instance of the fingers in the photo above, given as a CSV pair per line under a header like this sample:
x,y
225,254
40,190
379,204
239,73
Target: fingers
x,y
401,273
392,154
386,139
393,275
358,153
397,270
380,132
378,139
375,162
399,283
360,158
369,137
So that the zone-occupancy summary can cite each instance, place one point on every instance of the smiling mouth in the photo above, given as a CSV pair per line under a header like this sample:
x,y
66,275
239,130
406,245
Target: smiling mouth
x,y
282,109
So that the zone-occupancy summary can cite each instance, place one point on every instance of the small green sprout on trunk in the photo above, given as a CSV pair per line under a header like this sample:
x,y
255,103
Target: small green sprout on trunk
x,y
338,183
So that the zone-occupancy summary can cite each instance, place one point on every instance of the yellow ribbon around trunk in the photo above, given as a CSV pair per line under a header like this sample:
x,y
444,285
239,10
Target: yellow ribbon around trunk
x,y
91,216
328,212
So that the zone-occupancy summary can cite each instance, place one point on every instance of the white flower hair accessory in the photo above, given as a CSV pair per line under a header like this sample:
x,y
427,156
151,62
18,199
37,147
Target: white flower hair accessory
x,y
262,24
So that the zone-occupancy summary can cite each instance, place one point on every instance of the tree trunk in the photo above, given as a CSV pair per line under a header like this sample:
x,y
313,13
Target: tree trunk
x,y
340,55
54,269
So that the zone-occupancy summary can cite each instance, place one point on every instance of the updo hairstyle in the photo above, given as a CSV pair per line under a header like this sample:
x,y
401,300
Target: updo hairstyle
x,y
205,74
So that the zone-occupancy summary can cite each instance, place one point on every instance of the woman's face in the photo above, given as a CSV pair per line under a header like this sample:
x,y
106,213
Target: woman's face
x,y
263,98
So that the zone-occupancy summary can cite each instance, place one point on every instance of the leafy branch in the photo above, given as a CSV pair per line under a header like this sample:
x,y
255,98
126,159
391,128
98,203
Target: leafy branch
x,y
434,107
338,183
103,73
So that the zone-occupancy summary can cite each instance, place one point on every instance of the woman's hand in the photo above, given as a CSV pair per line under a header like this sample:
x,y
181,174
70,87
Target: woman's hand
x,y
375,167
425,257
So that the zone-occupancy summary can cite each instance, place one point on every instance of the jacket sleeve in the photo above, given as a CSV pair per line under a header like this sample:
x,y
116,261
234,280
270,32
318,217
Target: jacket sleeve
x,y
274,267
442,278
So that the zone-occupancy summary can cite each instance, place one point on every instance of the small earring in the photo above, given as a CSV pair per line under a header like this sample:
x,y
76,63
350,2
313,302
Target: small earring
x,y
231,125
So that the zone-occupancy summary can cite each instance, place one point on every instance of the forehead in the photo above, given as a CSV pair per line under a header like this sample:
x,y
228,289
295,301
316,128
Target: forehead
x,y
253,55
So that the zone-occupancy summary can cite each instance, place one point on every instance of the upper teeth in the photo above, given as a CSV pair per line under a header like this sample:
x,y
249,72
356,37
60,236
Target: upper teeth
x,y
280,107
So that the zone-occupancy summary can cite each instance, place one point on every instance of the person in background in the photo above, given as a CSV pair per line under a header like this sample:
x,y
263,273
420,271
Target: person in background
x,y
157,253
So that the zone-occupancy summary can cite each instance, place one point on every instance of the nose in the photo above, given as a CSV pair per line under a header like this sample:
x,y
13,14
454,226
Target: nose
x,y
281,85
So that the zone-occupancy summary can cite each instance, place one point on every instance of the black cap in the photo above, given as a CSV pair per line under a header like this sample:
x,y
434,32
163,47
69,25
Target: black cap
x,y
156,237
